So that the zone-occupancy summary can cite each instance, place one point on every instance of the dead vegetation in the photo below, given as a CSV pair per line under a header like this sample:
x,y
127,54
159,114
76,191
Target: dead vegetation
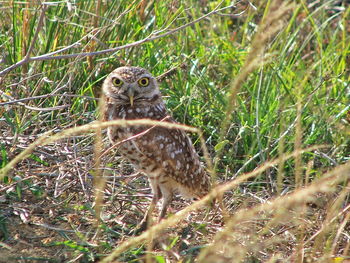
x,y
278,138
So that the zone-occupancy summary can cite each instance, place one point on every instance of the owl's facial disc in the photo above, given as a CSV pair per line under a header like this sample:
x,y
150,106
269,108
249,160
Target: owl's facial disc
x,y
131,85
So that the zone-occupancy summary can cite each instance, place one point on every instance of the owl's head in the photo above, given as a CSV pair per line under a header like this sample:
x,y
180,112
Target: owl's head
x,y
131,85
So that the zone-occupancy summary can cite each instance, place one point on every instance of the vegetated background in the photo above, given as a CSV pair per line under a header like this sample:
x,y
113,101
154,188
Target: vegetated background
x,y
298,97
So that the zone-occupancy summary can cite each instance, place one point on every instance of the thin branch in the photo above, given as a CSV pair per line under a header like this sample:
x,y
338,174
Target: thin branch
x,y
19,101
51,54
60,107
55,228
170,72
110,50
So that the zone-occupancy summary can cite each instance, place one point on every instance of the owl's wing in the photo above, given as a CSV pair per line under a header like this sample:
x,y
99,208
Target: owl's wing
x,y
177,141
107,108
175,150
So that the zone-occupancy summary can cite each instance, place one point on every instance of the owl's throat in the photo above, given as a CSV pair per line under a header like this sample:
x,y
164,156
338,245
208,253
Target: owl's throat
x,y
154,111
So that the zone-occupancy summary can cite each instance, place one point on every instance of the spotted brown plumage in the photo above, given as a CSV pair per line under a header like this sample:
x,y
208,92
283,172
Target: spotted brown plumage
x,y
165,155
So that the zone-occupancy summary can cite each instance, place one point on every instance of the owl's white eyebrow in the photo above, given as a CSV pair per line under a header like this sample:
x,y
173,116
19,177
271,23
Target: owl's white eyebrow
x,y
145,75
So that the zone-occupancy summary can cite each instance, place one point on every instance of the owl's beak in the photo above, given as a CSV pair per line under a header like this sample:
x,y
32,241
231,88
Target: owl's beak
x,y
131,96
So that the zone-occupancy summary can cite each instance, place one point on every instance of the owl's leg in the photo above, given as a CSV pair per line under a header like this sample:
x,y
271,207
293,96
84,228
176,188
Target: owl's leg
x,y
167,197
157,195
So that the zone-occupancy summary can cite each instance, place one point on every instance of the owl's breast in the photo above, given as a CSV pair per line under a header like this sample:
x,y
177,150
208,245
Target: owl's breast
x,y
127,112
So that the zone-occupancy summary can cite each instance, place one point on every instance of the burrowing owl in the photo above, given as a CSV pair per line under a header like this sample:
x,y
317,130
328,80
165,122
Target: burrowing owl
x,y
166,156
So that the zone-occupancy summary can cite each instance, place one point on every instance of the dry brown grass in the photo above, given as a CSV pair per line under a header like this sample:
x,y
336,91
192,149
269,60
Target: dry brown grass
x,y
86,211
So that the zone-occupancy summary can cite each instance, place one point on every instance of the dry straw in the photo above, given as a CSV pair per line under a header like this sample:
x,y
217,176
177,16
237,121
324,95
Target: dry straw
x,y
302,195
226,246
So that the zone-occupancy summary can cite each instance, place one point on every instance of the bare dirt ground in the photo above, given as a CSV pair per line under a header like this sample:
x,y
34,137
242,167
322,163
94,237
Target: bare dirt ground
x,y
48,211
47,206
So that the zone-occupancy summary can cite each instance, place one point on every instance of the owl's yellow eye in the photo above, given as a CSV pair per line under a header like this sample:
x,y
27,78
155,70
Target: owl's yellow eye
x,y
117,82
143,82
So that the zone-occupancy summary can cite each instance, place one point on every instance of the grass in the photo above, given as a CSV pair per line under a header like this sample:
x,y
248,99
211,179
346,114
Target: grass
x,y
259,85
